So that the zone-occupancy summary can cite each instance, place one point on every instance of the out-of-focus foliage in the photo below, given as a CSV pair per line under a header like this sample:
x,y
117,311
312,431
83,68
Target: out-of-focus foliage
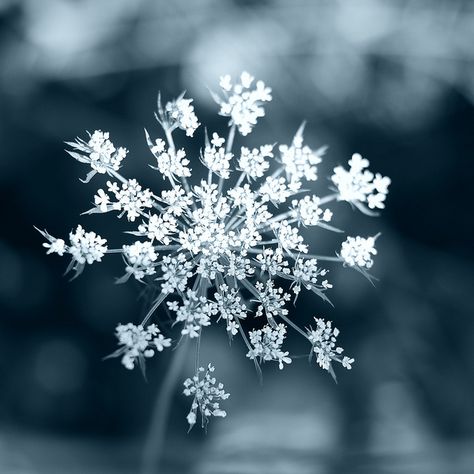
x,y
384,61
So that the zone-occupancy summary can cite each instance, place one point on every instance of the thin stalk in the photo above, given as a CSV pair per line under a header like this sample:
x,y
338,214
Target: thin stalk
x,y
321,257
154,444
228,149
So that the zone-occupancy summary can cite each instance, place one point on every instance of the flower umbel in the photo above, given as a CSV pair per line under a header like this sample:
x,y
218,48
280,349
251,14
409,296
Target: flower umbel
x,y
230,246
207,393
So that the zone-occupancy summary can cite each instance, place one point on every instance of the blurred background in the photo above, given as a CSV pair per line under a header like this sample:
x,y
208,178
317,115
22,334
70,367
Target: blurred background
x,y
391,80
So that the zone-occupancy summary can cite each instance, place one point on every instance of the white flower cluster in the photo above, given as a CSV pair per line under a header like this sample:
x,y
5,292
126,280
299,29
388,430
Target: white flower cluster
x,y
207,393
138,343
230,246
357,251
99,152
140,258
323,339
266,345
308,211
171,163
230,308
359,185
195,313
242,103
131,199
300,160
306,273
216,158
181,113
253,162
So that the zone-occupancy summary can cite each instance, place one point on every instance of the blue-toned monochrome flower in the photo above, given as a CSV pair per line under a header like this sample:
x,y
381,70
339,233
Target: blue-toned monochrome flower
x,y
229,248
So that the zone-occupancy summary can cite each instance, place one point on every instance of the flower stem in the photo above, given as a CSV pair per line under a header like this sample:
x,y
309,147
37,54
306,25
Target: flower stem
x,y
154,443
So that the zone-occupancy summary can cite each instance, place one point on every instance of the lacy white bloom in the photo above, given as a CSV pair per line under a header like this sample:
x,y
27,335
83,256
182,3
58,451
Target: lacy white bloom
x,y
216,158
131,199
359,184
53,244
181,113
99,152
207,393
159,227
289,237
323,340
277,190
86,247
239,266
306,273
299,160
242,103
253,162
357,251
271,261
266,345
307,211
141,257
230,244
176,200
138,343
230,307
176,272
272,300
194,313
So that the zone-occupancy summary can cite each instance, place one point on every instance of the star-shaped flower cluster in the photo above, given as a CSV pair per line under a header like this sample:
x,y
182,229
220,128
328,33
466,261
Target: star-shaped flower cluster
x,y
230,248
207,394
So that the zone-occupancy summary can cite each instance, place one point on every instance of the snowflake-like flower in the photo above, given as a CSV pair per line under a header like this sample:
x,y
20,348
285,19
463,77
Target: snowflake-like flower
x,y
207,394
229,246
358,251
181,114
243,103
266,345
359,185
139,343
323,341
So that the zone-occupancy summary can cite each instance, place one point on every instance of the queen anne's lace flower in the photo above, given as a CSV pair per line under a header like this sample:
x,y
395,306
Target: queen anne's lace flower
x,y
131,199
308,212
277,190
216,158
207,393
253,163
266,345
138,343
54,245
272,301
173,164
230,307
86,247
357,251
230,245
306,273
299,160
194,313
289,237
159,227
242,103
272,261
181,113
323,340
359,185
176,272
140,257
99,152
